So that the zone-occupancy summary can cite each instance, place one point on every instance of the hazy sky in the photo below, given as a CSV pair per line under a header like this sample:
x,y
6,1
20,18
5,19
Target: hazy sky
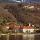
x,y
24,0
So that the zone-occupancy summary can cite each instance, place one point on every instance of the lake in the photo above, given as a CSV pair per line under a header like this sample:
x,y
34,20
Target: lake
x,y
21,37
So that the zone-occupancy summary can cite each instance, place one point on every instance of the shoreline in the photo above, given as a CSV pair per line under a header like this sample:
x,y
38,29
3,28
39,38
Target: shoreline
x,y
21,34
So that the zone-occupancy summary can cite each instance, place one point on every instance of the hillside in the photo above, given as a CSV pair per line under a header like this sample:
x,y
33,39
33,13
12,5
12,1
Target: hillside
x,y
24,15
5,16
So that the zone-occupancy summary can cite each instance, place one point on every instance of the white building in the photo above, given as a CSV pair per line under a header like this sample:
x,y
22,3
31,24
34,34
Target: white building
x,y
28,29
29,7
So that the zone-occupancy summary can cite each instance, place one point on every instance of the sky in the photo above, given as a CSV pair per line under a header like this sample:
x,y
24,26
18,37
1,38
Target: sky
x,y
24,0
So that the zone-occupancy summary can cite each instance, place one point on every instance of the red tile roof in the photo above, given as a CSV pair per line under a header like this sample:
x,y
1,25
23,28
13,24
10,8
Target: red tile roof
x,y
27,27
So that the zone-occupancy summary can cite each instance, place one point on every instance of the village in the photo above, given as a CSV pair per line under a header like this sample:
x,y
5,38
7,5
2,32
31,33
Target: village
x,y
16,28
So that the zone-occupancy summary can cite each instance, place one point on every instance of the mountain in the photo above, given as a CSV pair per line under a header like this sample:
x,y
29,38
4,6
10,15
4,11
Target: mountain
x,y
5,15
17,13
25,15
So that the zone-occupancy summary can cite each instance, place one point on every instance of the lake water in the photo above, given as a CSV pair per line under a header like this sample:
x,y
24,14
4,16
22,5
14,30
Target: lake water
x,y
21,37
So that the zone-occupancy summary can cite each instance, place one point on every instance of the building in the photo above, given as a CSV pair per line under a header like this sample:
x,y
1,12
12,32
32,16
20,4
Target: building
x,y
29,7
28,29
20,28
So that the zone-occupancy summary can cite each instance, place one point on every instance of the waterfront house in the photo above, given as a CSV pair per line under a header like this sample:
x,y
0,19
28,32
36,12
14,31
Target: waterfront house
x,y
20,28
28,29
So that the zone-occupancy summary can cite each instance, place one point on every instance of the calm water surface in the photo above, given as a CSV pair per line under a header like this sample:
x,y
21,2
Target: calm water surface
x,y
21,37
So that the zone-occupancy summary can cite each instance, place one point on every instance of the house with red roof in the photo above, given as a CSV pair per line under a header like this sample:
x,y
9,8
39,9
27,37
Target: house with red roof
x,y
28,29
20,28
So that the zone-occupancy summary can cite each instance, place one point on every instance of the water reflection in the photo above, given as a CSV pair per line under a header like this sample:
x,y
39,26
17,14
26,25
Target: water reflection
x,y
21,37
28,37
16,37
37,37
3,37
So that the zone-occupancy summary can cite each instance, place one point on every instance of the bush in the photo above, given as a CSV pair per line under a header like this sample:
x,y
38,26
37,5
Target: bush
x,y
4,20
